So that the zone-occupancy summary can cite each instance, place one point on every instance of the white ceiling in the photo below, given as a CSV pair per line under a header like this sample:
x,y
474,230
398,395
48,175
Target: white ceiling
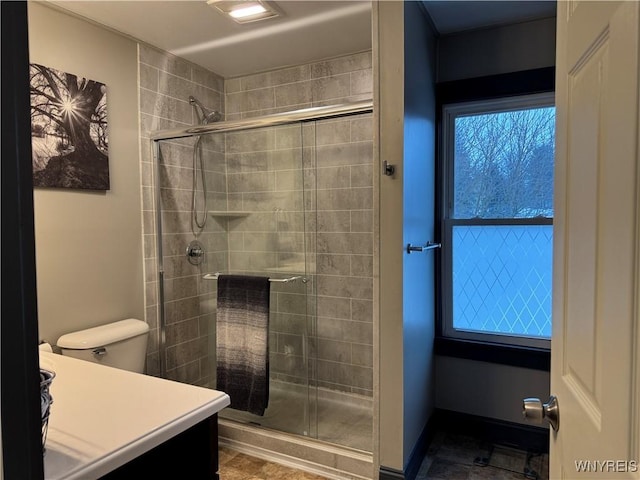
x,y
309,30
452,16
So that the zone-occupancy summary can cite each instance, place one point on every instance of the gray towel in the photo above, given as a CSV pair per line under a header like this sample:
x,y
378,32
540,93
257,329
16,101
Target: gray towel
x,y
242,345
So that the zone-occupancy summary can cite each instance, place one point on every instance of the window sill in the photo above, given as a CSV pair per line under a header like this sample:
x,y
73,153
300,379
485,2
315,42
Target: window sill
x,y
515,356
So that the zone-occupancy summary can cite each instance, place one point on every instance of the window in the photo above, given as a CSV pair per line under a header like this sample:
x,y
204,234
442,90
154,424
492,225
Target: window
x,y
498,220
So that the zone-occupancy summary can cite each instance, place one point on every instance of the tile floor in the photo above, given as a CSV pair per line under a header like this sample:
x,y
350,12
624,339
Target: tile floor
x,y
459,457
450,457
238,466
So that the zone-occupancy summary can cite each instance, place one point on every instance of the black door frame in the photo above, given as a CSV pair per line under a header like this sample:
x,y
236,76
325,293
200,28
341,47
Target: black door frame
x,y
20,380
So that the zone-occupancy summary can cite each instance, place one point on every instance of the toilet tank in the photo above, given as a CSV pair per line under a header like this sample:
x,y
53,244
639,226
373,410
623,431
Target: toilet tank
x,y
121,344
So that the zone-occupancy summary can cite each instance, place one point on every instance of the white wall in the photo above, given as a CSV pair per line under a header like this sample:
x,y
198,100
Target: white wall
x,y
487,389
492,51
389,80
88,244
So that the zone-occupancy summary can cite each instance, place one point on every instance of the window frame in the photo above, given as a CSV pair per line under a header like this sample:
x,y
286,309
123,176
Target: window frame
x,y
449,112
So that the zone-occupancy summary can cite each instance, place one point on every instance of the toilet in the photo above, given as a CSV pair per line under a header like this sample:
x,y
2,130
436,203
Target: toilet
x,y
121,344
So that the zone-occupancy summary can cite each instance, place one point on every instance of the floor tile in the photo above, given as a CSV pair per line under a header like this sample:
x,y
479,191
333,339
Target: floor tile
x,y
225,454
493,473
449,457
508,459
461,449
245,463
442,469
537,467
453,456
238,466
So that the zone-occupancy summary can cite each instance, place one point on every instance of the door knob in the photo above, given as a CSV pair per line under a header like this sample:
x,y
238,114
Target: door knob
x,y
535,411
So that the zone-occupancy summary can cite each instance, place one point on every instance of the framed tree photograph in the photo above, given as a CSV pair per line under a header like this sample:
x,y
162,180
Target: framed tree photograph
x,y
70,147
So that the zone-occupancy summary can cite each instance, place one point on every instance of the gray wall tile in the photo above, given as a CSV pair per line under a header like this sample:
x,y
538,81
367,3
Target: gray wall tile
x,y
329,132
327,88
251,100
361,176
262,172
149,77
346,243
361,82
334,351
332,264
362,265
362,355
293,94
361,220
345,154
349,63
334,307
333,177
334,221
350,287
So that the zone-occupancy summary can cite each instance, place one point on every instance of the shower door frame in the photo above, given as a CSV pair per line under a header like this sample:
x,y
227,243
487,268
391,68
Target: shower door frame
x,y
295,116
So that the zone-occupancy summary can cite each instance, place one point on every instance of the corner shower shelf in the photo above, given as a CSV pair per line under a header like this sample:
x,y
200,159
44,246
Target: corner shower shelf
x,y
220,213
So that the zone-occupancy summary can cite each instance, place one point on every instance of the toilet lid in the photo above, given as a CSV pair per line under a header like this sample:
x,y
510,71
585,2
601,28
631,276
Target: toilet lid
x,y
103,334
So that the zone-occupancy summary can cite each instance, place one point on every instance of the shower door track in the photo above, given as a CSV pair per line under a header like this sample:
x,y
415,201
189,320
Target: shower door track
x,y
303,115
295,116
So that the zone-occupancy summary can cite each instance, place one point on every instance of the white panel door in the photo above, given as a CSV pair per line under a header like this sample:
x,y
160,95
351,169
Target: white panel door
x,y
595,288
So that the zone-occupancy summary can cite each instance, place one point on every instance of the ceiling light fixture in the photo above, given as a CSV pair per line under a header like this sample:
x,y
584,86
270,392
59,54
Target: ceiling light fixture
x,y
245,11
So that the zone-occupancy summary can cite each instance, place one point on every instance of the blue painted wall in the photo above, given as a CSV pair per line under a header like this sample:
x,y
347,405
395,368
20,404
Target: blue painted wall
x,y
418,223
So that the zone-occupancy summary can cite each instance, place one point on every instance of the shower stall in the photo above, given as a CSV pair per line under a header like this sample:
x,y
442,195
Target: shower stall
x,y
287,196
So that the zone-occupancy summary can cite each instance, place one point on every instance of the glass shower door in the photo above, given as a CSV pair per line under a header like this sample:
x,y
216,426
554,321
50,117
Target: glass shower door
x,y
265,224
185,299
291,202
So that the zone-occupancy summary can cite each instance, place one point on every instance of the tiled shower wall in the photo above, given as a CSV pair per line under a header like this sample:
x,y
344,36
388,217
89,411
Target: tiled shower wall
x,y
263,176
329,82
166,82
338,178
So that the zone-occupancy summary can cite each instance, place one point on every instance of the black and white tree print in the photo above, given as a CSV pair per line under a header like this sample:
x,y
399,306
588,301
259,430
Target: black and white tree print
x,y
69,130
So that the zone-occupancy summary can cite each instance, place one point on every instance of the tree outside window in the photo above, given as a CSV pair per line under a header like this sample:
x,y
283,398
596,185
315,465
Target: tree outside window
x,y
497,225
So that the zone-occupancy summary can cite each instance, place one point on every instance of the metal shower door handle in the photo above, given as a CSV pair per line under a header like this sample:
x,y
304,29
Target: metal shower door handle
x,y
535,411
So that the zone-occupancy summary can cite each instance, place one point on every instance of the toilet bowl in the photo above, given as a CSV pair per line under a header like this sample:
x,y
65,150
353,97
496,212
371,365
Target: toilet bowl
x,y
121,344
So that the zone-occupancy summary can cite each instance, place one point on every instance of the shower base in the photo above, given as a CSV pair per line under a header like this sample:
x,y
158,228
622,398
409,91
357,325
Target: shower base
x,y
341,418
340,448
315,456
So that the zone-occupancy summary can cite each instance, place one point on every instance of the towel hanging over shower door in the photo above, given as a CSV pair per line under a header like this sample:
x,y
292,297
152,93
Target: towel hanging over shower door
x,y
242,343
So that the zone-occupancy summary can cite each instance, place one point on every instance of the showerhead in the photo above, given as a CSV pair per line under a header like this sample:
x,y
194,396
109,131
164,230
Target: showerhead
x,y
205,115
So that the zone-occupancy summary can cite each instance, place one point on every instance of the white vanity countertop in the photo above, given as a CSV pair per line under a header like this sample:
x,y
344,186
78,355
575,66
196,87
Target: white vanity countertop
x,y
103,417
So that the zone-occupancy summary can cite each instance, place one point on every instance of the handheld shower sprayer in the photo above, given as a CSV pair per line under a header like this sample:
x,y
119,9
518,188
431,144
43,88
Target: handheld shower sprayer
x,y
199,219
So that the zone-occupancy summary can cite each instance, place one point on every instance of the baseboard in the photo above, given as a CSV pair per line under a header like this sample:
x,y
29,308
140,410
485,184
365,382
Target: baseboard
x,y
517,435
390,474
420,448
417,455
501,432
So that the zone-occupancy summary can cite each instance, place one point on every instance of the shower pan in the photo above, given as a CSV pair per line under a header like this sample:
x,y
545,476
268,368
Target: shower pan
x,y
268,207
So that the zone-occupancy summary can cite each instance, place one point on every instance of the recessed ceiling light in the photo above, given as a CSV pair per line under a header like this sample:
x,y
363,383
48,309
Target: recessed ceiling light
x,y
245,11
